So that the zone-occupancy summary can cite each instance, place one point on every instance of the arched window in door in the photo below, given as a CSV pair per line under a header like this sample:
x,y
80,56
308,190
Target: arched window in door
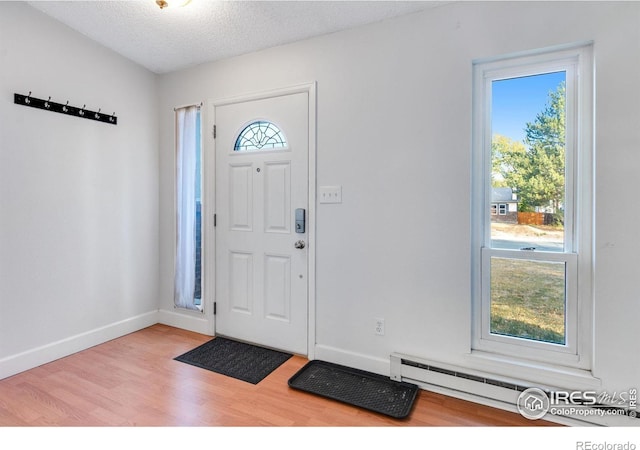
x,y
260,135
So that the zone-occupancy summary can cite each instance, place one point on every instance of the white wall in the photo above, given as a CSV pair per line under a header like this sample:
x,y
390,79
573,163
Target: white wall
x,y
394,129
79,207
78,198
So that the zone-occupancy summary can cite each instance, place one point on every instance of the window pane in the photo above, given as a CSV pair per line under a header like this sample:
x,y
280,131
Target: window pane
x,y
528,162
197,295
260,135
528,299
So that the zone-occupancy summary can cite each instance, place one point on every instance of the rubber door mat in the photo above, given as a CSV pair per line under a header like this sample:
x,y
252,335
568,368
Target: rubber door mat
x,y
235,359
356,387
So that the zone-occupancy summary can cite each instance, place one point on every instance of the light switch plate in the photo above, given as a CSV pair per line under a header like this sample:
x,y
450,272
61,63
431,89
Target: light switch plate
x,y
330,194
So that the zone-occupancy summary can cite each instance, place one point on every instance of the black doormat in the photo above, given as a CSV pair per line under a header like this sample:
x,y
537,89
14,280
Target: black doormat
x,y
356,387
235,359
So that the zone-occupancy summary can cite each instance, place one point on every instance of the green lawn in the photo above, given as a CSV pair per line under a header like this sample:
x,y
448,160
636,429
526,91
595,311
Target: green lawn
x,y
528,299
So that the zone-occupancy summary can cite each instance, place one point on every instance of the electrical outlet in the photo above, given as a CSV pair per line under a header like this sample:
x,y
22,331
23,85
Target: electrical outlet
x,y
379,329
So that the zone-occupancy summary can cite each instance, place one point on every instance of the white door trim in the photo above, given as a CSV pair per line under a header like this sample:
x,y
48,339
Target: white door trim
x,y
209,206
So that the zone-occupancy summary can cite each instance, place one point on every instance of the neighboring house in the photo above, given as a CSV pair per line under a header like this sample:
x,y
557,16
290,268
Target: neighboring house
x,y
504,205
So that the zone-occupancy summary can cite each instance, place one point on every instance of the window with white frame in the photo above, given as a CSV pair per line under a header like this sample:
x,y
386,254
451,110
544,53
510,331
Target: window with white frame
x,y
533,131
188,197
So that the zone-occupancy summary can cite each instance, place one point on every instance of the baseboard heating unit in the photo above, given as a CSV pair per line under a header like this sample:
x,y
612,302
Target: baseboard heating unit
x,y
497,391
407,368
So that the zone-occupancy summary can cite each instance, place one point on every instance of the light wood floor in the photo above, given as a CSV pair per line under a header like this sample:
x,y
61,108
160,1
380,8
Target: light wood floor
x,y
134,381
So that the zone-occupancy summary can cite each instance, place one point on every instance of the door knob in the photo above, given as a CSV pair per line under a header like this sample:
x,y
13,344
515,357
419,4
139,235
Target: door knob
x,y
299,244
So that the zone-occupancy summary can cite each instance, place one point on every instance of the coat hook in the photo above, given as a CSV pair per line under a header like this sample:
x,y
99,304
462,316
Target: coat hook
x,y
64,108
46,104
81,112
97,115
27,100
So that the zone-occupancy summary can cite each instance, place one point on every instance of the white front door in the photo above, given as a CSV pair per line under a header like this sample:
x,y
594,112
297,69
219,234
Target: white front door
x,y
261,260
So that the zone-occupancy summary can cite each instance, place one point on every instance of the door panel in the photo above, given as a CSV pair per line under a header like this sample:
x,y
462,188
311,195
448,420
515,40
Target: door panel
x,y
261,277
277,289
277,189
241,196
240,282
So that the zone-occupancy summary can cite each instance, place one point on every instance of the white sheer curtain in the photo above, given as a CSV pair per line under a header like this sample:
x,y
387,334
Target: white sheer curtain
x,y
185,269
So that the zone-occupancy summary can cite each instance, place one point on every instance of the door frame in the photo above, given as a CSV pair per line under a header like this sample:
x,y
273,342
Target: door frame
x,y
209,199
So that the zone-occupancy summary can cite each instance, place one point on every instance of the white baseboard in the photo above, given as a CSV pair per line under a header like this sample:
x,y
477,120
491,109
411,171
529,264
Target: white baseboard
x,y
351,359
187,320
35,357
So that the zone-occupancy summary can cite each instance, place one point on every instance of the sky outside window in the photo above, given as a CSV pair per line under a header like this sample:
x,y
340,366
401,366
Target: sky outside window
x,y
516,101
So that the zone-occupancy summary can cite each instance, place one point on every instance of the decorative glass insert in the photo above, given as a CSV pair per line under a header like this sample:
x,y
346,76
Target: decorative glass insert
x,y
260,135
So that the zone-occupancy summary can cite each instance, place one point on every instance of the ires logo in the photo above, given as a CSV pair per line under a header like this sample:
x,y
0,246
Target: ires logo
x,y
534,403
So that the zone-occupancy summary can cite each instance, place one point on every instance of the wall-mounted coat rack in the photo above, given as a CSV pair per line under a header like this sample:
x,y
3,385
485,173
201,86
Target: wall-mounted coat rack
x,y
48,105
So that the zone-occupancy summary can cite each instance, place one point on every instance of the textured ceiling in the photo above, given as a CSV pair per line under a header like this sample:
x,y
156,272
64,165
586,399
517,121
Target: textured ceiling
x,y
207,30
